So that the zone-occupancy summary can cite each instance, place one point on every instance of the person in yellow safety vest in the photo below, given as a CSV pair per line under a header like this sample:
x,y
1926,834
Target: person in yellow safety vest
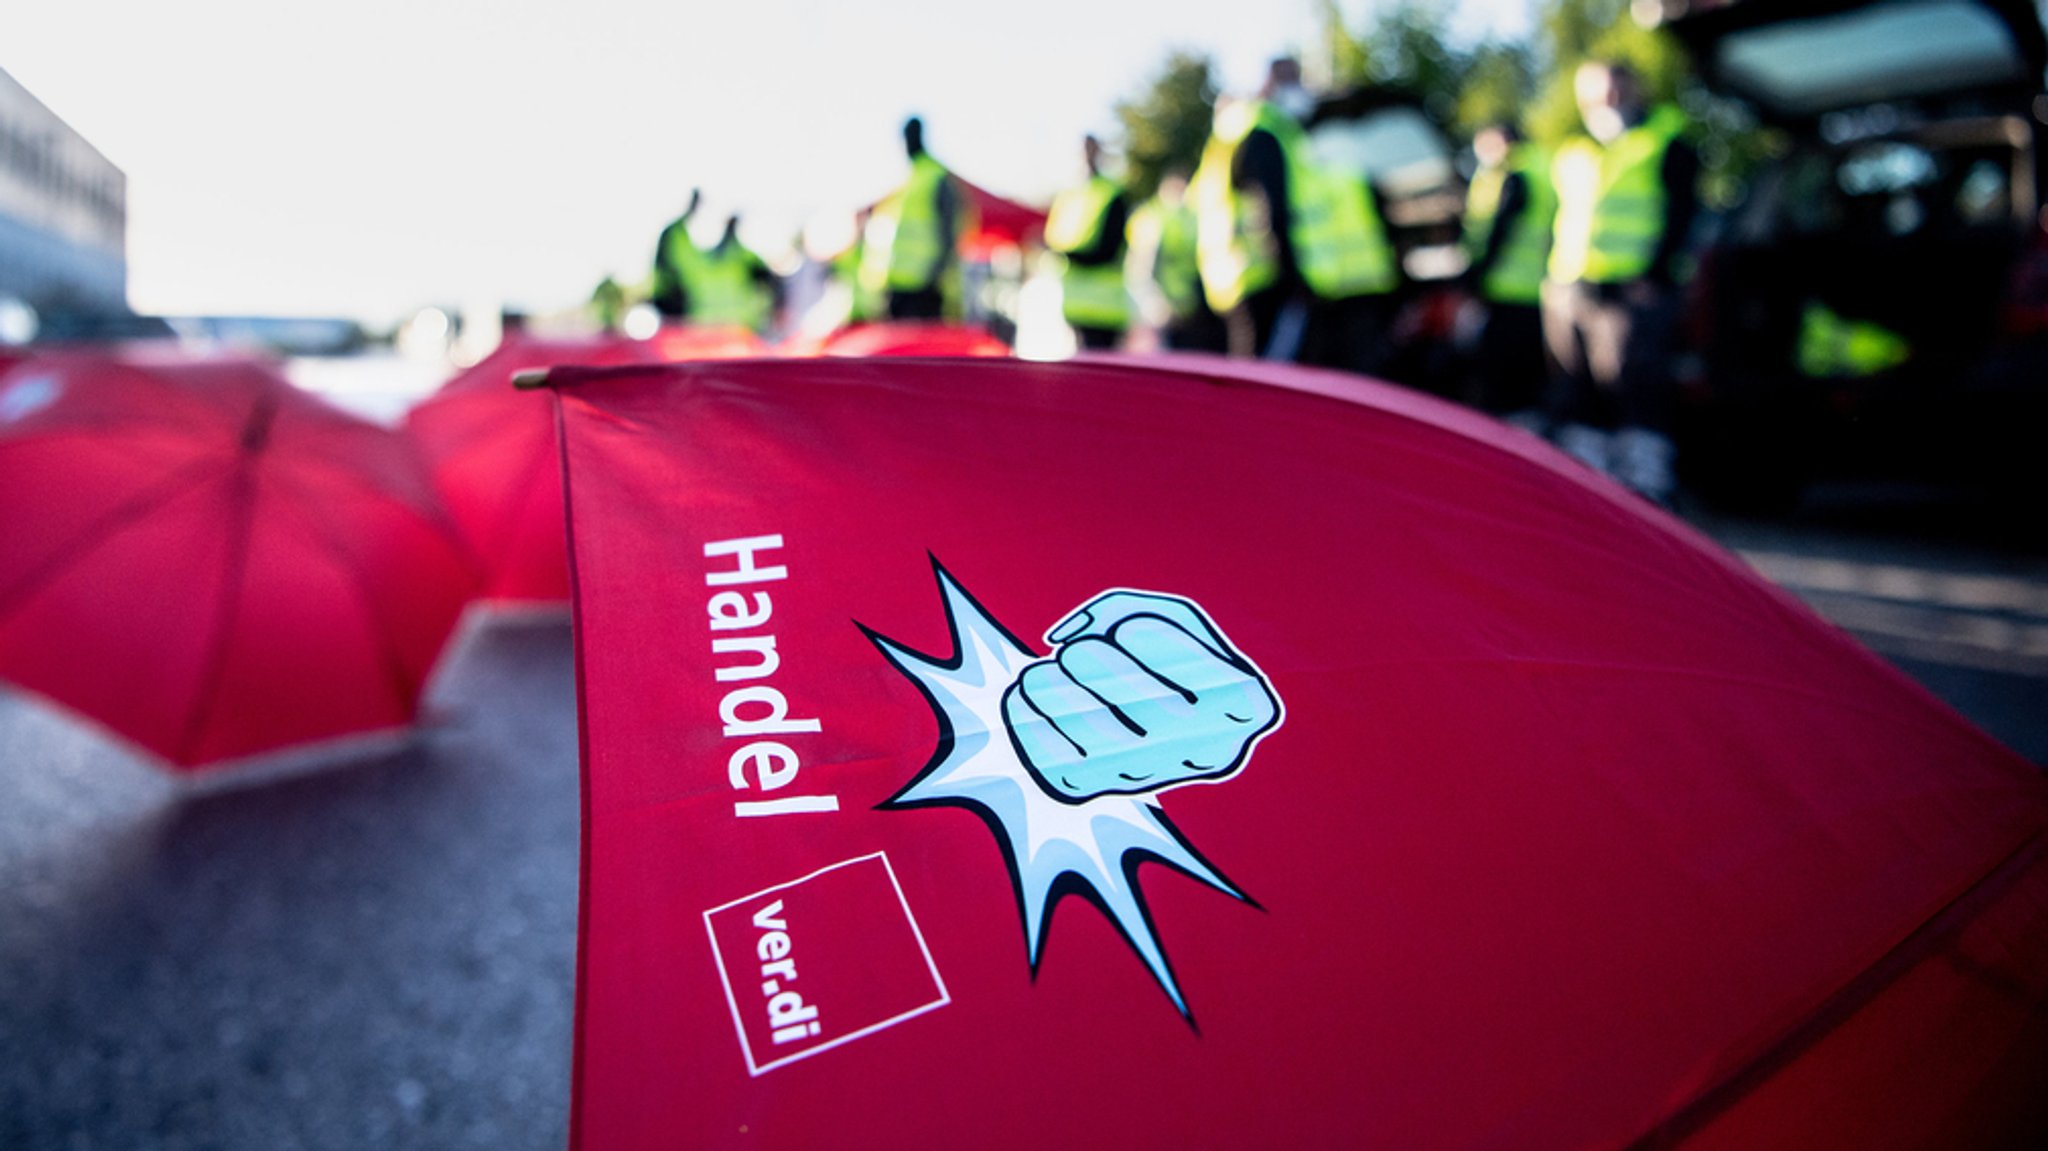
x,y
608,304
727,285
862,305
1509,206
909,244
1294,254
665,287
1085,228
1626,198
1164,273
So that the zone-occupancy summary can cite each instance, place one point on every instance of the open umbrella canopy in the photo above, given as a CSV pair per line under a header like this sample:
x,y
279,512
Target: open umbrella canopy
x,y
1418,788
491,453
210,562
999,221
491,449
903,338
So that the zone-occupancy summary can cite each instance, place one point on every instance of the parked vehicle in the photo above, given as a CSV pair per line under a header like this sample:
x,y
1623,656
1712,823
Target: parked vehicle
x,y
1879,301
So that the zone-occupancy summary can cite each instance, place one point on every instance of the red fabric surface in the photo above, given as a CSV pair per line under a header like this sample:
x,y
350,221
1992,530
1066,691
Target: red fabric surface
x,y
491,452
902,338
1573,833
491,449
210,562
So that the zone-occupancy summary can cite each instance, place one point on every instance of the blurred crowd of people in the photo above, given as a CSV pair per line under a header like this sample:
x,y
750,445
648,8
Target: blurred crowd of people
x,y
1566,306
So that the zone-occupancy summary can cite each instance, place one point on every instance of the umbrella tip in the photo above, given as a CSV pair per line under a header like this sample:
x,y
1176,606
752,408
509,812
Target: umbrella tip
x,y
527,379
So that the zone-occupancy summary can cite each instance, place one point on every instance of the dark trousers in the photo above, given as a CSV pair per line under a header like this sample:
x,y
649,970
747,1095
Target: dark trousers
x,y
1353,335
1251,323
1609,356
1508,369
921,304
1199,331
1097,339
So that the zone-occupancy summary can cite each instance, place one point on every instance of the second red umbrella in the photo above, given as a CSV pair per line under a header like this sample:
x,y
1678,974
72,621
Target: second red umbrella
x,y
491,450
212,563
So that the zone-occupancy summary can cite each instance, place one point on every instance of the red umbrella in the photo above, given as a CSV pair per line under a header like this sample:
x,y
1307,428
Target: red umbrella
x,y
1419,788
903,338
210,562
492,454
999,222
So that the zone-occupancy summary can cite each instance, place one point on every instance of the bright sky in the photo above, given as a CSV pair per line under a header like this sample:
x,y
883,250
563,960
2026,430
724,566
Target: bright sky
x,y
370,158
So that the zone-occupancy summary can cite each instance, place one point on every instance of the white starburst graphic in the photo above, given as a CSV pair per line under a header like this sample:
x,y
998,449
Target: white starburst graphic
x,y
1052,847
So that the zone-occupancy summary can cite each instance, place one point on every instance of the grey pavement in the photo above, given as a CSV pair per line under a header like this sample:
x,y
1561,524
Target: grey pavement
x,y
377,955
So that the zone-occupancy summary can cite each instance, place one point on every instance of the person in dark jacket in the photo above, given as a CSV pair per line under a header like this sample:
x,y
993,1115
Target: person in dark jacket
x,y
1509,210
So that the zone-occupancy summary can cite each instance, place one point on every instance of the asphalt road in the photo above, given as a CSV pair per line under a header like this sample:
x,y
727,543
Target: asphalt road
x,y
378,955
1948,583
381,954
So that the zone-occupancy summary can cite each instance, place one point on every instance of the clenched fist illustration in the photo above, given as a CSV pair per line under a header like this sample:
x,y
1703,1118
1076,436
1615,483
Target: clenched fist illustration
x,y
1141,693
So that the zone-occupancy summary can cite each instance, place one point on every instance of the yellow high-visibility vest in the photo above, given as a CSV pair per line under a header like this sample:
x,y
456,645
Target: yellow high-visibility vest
x,y
1168,232
1832,346
1234,243
1090,295
1516,276
862,304
1340,242
1611,202
723,289
902,248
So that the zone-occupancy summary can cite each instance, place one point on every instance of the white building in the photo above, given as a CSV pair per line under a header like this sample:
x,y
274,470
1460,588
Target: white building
x,y
63,212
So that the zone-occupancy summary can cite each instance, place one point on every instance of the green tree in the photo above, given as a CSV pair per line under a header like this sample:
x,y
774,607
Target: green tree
x,y
1344,62
1407,46
1498,85
1404,46
1166,124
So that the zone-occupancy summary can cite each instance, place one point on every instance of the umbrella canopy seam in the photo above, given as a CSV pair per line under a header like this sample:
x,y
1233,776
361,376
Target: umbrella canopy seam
x,y
242,493
97,533
507,519
1690,1117
402,684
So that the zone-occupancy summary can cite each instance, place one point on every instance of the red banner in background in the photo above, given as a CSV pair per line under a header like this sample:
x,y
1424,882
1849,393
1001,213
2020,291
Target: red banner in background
x,y
1416,788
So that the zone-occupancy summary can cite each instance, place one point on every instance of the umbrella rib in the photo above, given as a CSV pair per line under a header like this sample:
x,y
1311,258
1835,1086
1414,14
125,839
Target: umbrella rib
x,y
228,604
90,536
401,684
428,506
1934,932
